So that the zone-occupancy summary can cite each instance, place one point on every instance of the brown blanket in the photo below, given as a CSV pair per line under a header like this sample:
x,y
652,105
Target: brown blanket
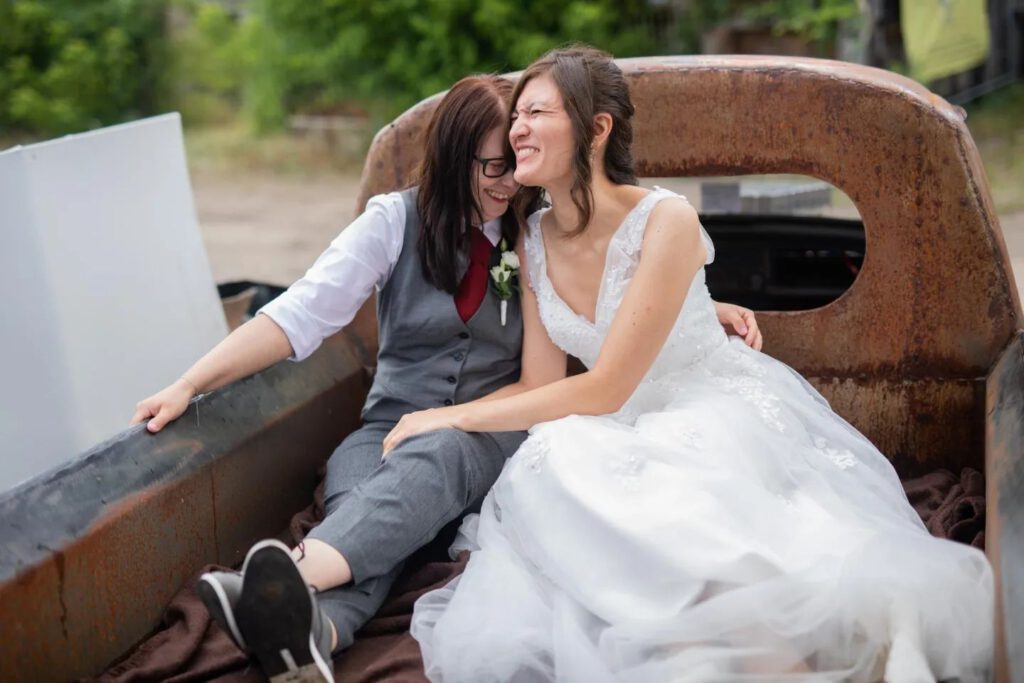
x,y
190,647
951,507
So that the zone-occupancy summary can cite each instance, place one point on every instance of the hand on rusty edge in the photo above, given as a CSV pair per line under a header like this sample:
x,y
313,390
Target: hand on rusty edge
x,y
164,406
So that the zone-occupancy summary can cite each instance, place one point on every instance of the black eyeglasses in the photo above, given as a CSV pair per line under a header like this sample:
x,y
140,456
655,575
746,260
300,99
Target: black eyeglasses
x,y
495,167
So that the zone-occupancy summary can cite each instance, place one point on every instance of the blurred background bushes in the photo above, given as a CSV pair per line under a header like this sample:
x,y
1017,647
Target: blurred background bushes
x,y
67,66
71,65
300,86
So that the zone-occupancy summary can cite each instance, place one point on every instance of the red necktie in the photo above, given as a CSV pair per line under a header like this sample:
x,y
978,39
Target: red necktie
x,y
474,283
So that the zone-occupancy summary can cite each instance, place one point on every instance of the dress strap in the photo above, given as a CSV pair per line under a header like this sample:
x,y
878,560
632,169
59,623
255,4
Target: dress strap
x,y
636,223
633,226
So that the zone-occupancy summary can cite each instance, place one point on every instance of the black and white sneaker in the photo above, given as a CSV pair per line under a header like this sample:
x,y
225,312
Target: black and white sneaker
x,y
220,591
279,620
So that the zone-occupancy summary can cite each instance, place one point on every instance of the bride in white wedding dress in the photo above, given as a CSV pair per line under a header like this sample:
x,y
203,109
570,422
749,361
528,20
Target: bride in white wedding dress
x,y
687,509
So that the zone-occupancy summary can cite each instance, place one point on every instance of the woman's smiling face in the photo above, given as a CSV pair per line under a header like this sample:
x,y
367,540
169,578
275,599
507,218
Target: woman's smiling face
x,y
541,135
493,194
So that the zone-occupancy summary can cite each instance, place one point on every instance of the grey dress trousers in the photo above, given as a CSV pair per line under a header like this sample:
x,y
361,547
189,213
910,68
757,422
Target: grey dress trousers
x,y
377,514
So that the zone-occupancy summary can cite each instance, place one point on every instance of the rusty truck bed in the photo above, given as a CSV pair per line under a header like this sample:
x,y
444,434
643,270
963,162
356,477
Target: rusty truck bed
x,y
924,353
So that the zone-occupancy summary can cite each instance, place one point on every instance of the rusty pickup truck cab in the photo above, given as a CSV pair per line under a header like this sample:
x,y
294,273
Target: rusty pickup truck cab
x,y
924,353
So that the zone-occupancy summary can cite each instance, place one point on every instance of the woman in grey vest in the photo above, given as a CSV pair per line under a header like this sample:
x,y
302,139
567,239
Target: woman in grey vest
x,y
446,336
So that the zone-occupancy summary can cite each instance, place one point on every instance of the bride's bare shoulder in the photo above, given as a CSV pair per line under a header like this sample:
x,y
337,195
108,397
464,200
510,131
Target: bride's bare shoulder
x,y
675,211
673,227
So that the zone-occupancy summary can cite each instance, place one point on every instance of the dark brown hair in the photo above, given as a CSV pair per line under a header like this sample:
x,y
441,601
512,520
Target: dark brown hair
x,y
589,83
446,201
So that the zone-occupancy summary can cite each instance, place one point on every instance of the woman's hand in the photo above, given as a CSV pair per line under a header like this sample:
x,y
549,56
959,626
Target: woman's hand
x,y
254,346
165,405
740,321
417,423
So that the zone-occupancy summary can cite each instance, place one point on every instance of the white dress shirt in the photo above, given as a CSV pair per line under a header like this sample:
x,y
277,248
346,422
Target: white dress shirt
x,y
360,258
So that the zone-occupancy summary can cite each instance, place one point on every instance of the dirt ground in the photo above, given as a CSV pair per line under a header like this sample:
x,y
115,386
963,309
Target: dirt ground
x,y
269,228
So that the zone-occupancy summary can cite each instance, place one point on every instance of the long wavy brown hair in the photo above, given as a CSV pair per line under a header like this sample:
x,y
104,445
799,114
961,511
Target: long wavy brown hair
x,y
590,83
446,200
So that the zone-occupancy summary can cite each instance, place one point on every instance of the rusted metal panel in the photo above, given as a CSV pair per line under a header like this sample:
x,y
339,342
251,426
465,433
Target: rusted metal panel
x,y
935,296
920,425
92,553
1004,493
91,589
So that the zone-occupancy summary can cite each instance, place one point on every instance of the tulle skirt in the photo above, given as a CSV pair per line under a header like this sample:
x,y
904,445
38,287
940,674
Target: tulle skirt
x,y
731,528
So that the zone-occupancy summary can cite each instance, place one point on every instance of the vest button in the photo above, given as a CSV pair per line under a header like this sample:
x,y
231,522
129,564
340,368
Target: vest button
x,y
451,380
463,335
458,355
447,401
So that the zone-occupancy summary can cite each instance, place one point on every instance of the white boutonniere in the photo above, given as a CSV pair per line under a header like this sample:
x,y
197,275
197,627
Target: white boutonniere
x,y
505,277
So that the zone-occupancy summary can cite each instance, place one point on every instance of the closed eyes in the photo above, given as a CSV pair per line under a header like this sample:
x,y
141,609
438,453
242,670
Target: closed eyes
x,y
529,112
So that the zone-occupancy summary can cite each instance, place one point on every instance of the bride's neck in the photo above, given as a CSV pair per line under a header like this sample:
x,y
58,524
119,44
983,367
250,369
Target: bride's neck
x,y
567,216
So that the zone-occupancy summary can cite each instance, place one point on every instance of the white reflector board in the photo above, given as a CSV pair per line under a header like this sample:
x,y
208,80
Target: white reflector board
x,y
108,294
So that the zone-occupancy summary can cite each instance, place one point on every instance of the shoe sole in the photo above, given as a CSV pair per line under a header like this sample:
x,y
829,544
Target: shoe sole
x,y
217,604
276,611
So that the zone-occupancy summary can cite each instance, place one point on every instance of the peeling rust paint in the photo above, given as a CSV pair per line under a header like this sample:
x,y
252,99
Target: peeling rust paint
x,y
1004,521
920,424
92,553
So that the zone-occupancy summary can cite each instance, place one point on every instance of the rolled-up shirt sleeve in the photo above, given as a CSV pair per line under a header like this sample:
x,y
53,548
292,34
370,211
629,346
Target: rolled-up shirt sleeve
x,y
328,296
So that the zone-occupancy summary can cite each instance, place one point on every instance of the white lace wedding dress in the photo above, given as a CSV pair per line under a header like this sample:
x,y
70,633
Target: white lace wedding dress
x,y
725,525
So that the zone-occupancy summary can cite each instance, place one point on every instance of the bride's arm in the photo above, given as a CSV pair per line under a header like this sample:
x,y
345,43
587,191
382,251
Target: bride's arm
x,y
542,361
672,254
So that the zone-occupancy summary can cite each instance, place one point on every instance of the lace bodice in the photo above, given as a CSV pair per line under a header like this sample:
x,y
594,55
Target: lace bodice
x,y
696,331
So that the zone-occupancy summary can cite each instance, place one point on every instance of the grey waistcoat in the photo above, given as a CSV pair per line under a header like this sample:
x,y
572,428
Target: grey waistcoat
x,y
428,357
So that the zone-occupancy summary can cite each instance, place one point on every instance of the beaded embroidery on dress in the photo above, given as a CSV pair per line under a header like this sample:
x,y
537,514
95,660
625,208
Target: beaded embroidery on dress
x,y
724,525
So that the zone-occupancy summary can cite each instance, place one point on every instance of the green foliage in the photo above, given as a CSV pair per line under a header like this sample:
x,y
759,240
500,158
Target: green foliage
x,y
221,63
815,20
74,64
812,20
388,54
68,66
